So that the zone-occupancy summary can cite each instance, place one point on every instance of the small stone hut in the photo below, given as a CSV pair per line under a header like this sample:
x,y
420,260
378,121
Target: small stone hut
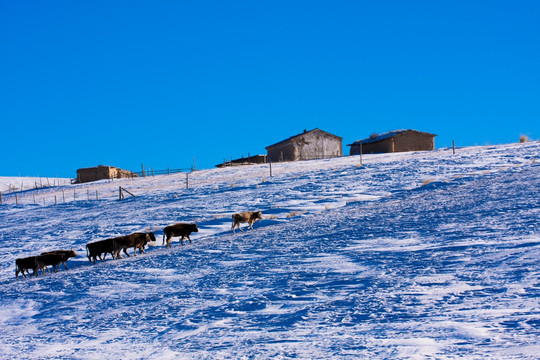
x,y
313,144
101,172
394,141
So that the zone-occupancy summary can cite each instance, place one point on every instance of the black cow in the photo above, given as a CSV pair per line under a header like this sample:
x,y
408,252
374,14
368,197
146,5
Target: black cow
x,y
135,241
180,229
64,255
95,249
26,263
54,260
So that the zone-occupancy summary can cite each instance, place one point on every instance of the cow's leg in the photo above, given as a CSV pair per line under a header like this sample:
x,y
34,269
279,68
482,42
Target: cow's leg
x,y
240,227
125,251
189,239
63,262
232,227
182,240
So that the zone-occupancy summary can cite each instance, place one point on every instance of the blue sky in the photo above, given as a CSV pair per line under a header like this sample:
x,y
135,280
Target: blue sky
x,y
128,82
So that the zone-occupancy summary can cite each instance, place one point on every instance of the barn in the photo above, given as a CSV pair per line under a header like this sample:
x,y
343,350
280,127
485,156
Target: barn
x,y
313,144
101,172
250,160
394,141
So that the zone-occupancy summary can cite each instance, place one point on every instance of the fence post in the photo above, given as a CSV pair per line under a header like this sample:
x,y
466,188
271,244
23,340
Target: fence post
x,y
74,198
361,164
43,201
187,180
34,198
88,193
63,196
142,167
120,195
1,198
55,201
16,199
97,198
270,169
453,148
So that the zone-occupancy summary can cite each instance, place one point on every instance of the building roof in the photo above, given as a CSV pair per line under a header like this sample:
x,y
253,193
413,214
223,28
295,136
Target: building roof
x,y
380,137
96,167
301,134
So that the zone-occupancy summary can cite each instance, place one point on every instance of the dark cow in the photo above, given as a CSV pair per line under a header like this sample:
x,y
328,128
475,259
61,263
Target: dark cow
x,y
180,229
246,217
95,249
64,255
54,260
135,241
26,263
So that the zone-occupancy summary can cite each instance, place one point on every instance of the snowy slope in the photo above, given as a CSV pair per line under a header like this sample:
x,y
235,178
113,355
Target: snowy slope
x,y
413,255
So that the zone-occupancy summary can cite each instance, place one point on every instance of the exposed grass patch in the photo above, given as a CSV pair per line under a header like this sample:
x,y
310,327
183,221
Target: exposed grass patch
x,y
523,138
427,181
295,213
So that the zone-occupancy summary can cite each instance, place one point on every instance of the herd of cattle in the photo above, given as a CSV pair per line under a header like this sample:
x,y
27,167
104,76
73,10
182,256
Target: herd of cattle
x,y
114,246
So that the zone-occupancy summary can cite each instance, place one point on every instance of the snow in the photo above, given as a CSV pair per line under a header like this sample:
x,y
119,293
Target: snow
x,y
411,256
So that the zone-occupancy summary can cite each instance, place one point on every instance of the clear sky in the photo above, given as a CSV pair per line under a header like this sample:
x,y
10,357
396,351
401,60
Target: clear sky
x,y
122,83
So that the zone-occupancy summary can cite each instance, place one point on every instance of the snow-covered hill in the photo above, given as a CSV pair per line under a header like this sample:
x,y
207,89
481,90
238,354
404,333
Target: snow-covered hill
x,y
413,255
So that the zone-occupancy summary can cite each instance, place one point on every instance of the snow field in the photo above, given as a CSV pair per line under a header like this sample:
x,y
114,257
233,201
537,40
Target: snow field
x,y
414,255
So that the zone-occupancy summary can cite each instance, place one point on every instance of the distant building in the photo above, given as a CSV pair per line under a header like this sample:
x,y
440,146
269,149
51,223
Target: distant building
x,y
255,159
313,144
101,172
394,141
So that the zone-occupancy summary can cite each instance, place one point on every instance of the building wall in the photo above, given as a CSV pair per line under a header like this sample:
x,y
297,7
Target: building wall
x,y
384,146
93,174
284,152
413,142
312,145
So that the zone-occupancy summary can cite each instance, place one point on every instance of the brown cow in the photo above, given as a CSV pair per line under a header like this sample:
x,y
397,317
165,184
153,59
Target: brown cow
x,y
95,249
135,241
26,263
246,217
180,229
65,255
